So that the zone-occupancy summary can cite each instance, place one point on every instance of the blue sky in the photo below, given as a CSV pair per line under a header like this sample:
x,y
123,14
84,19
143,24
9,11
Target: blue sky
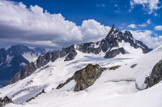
x,y
106,12
78,17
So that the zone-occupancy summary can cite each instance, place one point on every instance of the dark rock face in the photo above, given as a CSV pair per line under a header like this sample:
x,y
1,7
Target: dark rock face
x,y
156,75
71,55
5,101
84,77
114,67
134,65
26,71
55,56
115,52
112,40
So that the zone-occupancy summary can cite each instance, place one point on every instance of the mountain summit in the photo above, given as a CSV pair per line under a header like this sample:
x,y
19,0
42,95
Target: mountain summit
x,y
116,43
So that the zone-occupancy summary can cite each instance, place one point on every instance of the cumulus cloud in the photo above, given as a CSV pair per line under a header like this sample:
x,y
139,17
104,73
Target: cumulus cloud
x,y
148,5
147,38
35,26
133,26
145,24
158,27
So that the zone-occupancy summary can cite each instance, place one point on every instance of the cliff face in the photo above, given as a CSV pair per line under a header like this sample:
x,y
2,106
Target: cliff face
x,y
156,75
109,46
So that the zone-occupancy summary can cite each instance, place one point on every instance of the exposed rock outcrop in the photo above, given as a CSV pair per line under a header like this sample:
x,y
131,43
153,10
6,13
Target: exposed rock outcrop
x,y
5,101
84,77
114,67
71,55
115,52
156,75
134,65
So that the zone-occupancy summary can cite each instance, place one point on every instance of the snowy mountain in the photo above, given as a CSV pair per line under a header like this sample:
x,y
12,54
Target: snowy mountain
x,y
113,72
114,44
15,58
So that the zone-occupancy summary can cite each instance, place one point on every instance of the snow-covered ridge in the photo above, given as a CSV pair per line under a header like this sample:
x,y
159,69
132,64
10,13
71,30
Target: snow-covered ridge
x,y
118,86
123,86
116,43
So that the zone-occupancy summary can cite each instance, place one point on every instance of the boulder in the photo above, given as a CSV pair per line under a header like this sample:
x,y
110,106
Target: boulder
x,y
84,77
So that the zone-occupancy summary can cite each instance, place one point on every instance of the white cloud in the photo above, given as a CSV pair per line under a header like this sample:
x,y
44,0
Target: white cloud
x,y
158,27
93,30
148,5
145,24
133,26
142,25
149,21
36,26
147,38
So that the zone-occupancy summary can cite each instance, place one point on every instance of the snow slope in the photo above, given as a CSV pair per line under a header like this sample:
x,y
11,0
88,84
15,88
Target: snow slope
x,y
114,88
30,56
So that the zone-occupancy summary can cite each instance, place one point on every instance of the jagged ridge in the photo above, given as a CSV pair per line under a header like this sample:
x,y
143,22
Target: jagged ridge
x,y
106,46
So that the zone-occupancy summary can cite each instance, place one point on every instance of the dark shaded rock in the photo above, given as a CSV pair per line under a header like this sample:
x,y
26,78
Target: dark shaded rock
x,y
55,56
71,55
40,61
3,55
156,75
26,71
114,67
84,77
63,84
134,65
115,52
105,45
5,101
111,31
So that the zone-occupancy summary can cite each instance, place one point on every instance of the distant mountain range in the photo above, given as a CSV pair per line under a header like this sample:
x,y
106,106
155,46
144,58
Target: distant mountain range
x,y
15,58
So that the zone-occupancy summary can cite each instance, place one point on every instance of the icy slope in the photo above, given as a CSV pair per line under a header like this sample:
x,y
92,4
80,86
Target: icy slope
x,y
114,88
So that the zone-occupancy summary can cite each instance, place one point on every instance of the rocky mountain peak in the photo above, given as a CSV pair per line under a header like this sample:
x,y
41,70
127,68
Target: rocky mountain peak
x,y
109,47
111,31
118,35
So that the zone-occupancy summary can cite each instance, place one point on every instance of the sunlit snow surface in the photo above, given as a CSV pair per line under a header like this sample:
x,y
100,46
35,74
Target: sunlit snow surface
x,y
114,88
